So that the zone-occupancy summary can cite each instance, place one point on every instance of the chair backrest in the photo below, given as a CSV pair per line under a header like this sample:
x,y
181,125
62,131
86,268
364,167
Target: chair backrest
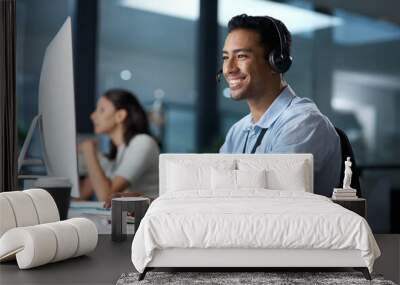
x,y
347,151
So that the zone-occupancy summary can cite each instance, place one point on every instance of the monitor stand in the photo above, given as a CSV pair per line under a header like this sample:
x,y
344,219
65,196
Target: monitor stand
x,y
48,180
58,187
36,124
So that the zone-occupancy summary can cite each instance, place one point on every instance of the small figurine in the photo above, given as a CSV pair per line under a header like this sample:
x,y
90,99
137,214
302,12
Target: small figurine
x,y
347,174
345,193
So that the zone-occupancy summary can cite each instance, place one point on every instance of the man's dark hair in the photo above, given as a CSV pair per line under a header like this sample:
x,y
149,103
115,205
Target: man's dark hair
x,y
265,27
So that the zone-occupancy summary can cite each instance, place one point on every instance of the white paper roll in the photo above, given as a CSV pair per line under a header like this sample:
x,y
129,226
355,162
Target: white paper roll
x,y
40,244
24,210
34,245
7,217
45,206
67,239
10,244
87,235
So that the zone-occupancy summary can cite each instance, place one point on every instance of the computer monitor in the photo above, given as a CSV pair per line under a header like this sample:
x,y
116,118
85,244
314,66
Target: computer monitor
x,y
56,112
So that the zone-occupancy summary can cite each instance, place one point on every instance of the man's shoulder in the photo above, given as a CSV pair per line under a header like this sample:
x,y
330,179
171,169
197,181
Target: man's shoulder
x,y
303,117
303,109
302,104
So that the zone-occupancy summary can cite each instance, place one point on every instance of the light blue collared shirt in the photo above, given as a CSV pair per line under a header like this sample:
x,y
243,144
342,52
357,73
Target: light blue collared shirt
x,y
295,125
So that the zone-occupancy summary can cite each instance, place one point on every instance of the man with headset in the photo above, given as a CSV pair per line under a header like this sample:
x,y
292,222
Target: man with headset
x,y
255,56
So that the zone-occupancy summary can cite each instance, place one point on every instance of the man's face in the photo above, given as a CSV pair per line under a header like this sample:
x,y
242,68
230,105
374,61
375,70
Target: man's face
x,y
244,66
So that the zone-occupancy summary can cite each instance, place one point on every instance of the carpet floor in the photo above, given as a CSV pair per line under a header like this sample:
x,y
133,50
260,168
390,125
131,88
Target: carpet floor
x,y
231,278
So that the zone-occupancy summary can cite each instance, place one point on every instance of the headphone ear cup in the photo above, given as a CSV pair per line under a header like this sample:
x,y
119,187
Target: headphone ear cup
x,y
280,63
272,59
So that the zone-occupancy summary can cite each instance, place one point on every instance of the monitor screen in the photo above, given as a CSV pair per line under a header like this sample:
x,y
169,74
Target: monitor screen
x,y
57,108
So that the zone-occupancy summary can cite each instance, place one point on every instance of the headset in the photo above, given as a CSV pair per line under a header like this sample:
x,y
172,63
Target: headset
x,y
278,59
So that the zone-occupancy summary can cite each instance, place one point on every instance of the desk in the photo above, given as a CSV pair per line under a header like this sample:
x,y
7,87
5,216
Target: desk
x,y
102,266
95,212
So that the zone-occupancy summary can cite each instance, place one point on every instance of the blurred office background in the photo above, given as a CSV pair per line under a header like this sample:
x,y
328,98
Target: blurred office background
x,y
346,58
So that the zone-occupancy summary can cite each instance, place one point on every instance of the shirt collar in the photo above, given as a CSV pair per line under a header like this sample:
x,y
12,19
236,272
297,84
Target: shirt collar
x,y
279,105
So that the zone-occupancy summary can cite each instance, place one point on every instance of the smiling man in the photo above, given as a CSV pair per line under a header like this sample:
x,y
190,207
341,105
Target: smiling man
x,y
255,56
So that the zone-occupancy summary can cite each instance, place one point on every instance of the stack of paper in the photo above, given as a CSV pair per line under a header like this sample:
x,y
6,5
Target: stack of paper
x,y
95,209
97,214
344,194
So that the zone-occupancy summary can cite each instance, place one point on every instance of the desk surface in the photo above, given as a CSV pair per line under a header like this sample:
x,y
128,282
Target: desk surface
x,y
95,212
102,266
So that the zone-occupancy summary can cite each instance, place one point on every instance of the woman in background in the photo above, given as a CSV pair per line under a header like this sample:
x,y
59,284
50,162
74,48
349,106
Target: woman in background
x,y
131,164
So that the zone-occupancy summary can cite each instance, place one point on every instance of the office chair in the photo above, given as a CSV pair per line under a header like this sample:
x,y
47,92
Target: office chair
x,y
347,151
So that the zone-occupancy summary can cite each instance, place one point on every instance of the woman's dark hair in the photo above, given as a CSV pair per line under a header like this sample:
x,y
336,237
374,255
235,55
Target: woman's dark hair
x,y
136,121
264,26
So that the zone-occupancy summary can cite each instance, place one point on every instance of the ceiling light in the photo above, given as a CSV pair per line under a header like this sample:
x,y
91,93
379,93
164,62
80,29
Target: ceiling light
x,y
297,20
126,74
